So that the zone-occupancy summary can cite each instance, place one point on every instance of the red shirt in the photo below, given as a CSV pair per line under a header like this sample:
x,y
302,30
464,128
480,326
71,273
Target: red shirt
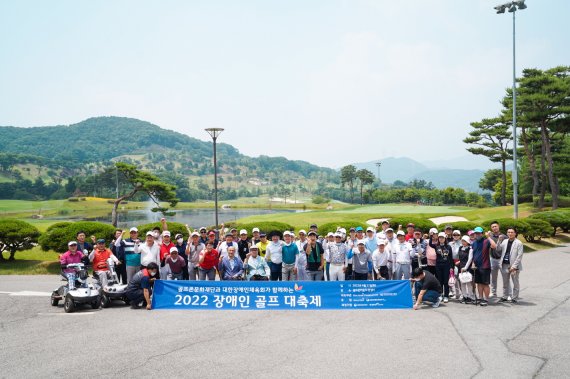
x,y
409,237
100,260
165,250
210,259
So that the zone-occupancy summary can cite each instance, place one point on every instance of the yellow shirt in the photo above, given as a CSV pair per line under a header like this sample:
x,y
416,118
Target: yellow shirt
x,y
262,248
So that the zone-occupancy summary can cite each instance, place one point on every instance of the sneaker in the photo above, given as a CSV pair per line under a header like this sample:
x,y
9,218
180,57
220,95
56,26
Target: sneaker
x,y
503,300
463,301
468,300
483,303
436,304
135,306
509,299
514,301
446,300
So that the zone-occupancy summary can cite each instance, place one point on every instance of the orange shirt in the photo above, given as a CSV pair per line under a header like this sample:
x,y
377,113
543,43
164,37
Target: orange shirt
x,y
100,260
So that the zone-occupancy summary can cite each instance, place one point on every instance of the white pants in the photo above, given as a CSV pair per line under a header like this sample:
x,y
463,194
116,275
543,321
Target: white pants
x,y
513,291
336,272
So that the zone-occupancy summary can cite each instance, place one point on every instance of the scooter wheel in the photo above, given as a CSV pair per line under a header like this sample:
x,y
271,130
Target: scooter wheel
x,y
54,300
96,304
105,301
69,304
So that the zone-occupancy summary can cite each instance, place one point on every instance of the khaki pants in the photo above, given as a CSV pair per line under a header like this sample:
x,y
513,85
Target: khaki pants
x,y
507,277
287,272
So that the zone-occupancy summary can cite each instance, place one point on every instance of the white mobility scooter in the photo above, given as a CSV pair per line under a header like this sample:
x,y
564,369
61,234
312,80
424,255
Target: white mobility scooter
x,y
114,290
80,292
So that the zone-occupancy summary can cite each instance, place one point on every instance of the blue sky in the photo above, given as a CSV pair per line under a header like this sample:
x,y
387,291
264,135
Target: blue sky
x,y
330,82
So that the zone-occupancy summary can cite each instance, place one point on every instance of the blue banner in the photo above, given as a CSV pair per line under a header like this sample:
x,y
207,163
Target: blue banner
x,y
382,294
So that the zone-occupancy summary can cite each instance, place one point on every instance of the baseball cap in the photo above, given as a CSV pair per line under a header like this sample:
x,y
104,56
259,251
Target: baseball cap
x,y
352,230
385,222
342,230
312,233
229,235
149,233
337,234
254,247
400,233
432,231
243,231
202,229
370,229
470,232
101,240
303,231
313,226
478,229
262,234
466,239
233,230
359,229
456,232
174,250
133,229
381,242
195,234
442,234
71,243
286,233
410,225
255,230
178,235
166,233
212,233
389,230
448,227
360,242
330,234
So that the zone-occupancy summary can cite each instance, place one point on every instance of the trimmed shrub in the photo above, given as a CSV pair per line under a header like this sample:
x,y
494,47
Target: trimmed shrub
x,y
462,226
563,201
522,226
423,224
557,219
58,235
73,199
538,229
16,235
332,226
173,227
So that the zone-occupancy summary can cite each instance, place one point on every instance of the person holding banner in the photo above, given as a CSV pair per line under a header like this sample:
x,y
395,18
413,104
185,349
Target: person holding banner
x,y
361,258
426,288
208,262
231,266
255,266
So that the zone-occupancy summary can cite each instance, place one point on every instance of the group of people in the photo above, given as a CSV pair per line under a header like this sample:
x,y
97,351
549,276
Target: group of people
x,y
439,264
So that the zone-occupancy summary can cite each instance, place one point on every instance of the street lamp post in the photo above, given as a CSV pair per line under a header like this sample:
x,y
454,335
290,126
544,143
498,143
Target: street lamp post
x,y
214,133
512,7
379,164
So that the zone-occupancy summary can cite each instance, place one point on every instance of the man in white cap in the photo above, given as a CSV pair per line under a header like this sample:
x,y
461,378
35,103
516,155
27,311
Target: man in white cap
x,y
391,242
380,261
403,257
325,243
175,265
301,263
290,256
193,249
338,258
149,250
256,236
243,245
361,257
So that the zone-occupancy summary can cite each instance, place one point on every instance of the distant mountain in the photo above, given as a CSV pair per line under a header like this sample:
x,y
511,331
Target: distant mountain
x,y
100,140
407,169
464,162
393,169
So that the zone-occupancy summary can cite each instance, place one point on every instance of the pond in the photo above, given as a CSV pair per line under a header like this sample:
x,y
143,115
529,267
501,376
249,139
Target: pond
x,y
193,217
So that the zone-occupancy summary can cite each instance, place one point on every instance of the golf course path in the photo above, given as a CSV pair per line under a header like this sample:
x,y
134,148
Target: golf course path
x,y
524,340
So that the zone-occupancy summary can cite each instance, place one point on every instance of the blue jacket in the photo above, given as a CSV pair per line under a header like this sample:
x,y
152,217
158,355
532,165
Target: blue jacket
x,y
225,268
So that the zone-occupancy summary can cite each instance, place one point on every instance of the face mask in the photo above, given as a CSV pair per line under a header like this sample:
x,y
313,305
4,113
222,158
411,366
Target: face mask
x,y
180,240
152,273
155,234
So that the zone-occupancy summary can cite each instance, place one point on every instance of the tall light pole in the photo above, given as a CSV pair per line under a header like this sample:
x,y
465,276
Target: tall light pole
x,y
379,164
512,7
214,133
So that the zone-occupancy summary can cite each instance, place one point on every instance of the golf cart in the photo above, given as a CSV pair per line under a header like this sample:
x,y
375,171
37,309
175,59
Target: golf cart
x,y
83,293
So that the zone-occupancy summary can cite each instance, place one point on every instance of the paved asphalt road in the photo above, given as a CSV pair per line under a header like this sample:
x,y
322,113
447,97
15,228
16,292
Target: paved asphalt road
x,y
530,339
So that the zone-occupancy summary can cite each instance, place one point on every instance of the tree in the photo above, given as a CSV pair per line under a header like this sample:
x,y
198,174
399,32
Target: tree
x,y
544,101
348,176
491,138
365,177
16,235
490,179
141,181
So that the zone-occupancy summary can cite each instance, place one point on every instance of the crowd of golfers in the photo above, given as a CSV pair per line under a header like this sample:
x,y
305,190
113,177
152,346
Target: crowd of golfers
x,y
441,265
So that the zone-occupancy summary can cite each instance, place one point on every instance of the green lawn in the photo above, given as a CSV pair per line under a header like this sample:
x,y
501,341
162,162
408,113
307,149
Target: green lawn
x,y
387,209
31,262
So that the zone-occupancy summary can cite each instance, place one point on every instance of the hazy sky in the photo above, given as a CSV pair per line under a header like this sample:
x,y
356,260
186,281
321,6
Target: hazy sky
x,y
330,82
